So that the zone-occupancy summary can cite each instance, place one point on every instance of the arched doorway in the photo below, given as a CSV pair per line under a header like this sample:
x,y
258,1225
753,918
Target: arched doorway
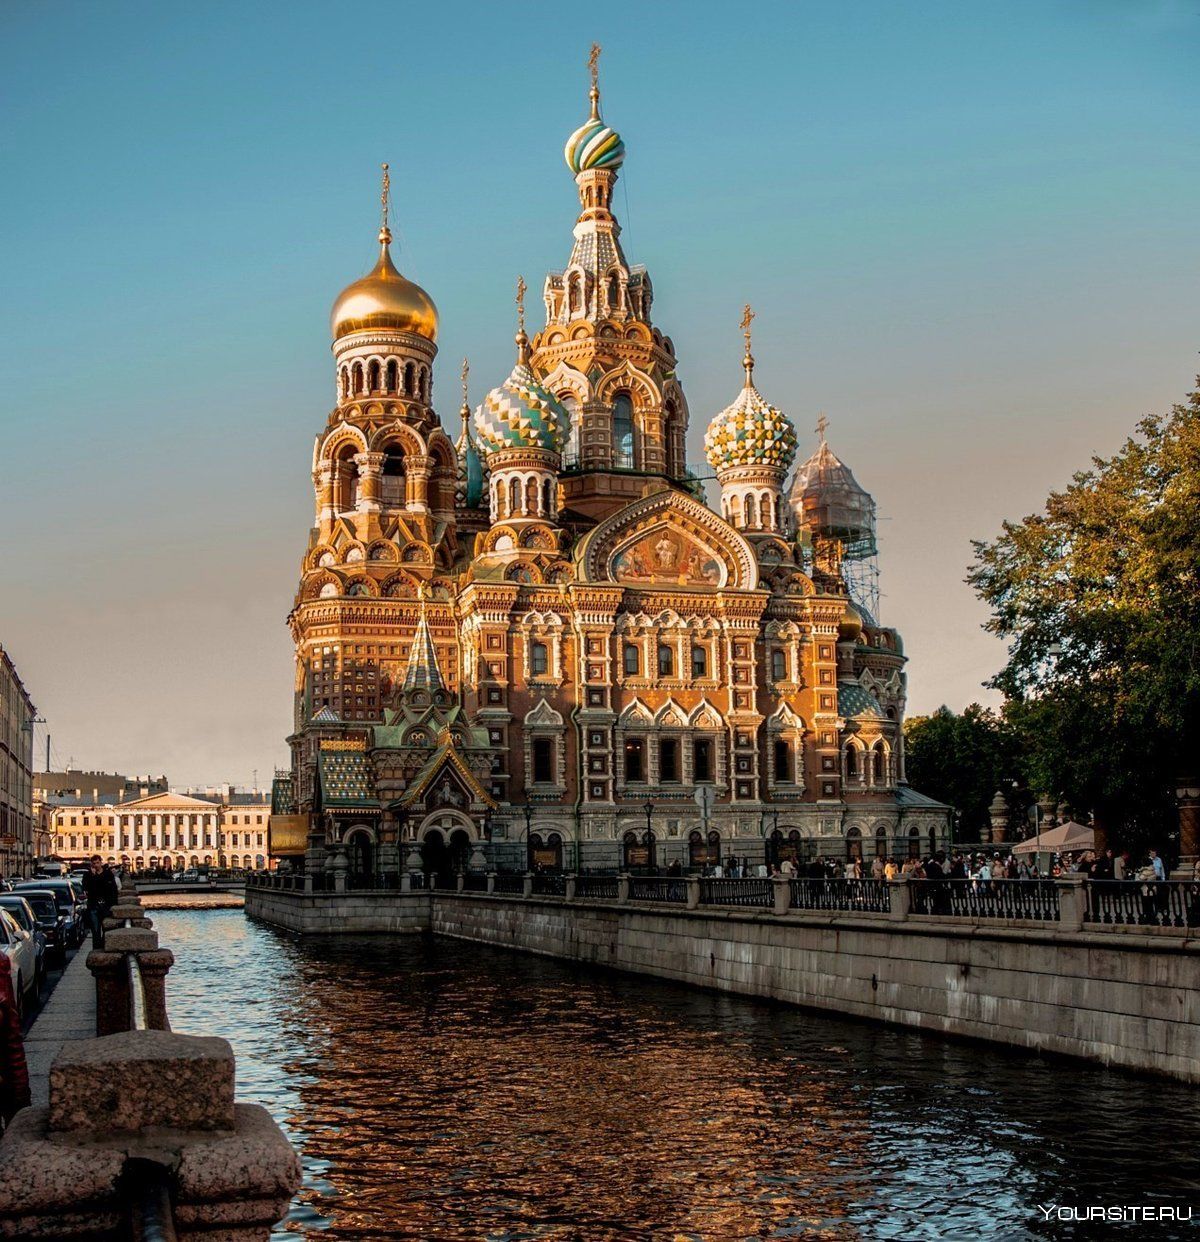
x,y
854,844
638,852
704,852
435,858
546,854
360,852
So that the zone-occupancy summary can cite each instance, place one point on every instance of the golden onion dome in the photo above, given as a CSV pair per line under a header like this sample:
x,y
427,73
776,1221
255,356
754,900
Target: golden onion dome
x,y
850,627
384,299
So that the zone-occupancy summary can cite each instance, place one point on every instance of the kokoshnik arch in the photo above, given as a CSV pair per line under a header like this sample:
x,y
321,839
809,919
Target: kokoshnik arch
x,y
537,637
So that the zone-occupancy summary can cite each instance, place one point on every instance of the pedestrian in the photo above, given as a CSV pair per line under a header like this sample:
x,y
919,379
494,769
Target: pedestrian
x,y
100,888
1121,866
890,870
14,1074
877,868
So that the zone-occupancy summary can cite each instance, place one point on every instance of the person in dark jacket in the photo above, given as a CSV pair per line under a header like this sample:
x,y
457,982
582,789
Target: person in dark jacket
x,y
14,1076
100,887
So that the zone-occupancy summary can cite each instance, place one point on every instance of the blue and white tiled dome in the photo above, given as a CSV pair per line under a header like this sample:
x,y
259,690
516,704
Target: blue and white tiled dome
x,y
750,432
520,413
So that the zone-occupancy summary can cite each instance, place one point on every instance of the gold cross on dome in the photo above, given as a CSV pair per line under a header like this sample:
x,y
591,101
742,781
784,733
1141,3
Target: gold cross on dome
x,y
521,287
748,317
822,423
594,64
385,197
466,370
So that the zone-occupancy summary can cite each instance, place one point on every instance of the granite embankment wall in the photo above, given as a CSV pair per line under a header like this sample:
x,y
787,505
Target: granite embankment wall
x,y
347,913
1120,997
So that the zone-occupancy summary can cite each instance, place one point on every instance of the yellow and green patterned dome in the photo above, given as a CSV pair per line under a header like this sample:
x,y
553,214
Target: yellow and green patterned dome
x,y
594,145
520,413
750,432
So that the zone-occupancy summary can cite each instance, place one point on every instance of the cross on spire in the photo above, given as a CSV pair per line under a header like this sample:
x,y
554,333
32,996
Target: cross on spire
x,y
594,70
385,203
466,405
748,361
822,423
521,287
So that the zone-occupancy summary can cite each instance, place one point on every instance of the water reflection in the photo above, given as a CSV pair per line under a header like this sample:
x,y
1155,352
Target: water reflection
x,y
441,1090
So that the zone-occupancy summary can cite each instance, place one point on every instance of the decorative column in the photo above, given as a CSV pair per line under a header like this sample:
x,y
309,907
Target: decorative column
x,y
416,477
998,813
370,467
323,485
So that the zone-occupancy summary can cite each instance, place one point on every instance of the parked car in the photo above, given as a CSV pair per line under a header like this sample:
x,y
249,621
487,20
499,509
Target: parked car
x,y
51,921
64,894
190,876
23,913
17,945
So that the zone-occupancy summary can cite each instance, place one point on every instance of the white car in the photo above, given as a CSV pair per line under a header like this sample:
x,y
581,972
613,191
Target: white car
x,y
19,947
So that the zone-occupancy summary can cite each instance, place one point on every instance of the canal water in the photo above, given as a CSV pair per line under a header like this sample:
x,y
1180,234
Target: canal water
x,y
442,1090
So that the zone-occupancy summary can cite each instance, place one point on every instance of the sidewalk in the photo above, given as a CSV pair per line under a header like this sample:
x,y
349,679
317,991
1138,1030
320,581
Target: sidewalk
x,y
70,1013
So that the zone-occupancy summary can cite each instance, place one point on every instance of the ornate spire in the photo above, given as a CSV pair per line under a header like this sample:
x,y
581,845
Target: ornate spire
x,y
748,360
822,423
385,203
465,408
422,672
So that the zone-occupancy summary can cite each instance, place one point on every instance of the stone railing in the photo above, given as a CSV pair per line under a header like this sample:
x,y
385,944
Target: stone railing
x,y
142,1124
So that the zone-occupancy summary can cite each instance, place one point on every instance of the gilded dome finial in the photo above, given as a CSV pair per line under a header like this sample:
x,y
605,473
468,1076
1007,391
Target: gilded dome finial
x,y
522,339
385,203
822,423
465,410
748,360
594,70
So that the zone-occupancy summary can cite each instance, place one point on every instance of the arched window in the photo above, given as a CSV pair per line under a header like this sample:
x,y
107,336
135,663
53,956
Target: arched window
x,y
409,379
514,495
571,449
343,383
575,294
391,480
852,762
547,505
357,375
666,660
880,765
531,496
778,664
614,292
853,843
783,762
539,658
623,431
751,512
764,508
881,842
393,375
673,441
373,376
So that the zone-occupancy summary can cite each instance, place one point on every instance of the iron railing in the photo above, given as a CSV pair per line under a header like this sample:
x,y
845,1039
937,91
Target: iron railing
x,y
714,892
550,883
475,882
657,888
509,882
599,887
986,899
869,895
1153,903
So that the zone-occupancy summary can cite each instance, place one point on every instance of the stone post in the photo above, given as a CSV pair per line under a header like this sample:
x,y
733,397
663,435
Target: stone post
x,y
491,881
570,888
1072,901
406,881
622,888
1187,797
782,888
527,886
308,881
693,892
460,882
998,813
899,898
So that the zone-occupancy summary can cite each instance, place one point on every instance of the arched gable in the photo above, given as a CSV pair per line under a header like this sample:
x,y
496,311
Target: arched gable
x,y
667,539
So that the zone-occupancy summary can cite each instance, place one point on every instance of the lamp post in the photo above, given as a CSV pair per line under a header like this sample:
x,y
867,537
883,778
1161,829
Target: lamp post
x,y
528,843
650,852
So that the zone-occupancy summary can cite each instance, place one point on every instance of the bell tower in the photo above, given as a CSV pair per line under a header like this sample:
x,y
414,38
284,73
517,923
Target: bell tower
x,y
600,354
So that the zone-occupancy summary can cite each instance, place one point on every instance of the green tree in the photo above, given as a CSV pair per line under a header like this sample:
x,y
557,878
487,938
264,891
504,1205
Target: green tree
x,y
1099,597
963,759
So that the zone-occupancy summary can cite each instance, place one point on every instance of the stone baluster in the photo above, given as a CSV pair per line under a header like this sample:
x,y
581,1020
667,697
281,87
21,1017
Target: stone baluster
x,y
622,888
1072,901
569,887
491,881
527,885
693,891
899,898
782,887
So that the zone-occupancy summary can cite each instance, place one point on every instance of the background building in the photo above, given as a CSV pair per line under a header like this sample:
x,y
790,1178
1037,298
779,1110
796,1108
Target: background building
x,y
17,714
539,643
165,830
75,788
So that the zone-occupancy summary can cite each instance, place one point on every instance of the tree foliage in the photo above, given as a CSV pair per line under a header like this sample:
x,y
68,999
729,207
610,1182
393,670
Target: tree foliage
x,y
1099,598
963,760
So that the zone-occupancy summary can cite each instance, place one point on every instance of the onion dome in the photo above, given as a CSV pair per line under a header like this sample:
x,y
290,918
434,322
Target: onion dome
x,y
751,431
469,479
383,298
850,627
594,144
520,413
828,501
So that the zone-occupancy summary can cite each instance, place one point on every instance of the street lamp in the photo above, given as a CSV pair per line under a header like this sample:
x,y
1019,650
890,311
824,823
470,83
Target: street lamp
x,y
528,843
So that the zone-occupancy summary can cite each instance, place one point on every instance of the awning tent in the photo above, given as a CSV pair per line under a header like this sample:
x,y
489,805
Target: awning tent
x,y
1063,839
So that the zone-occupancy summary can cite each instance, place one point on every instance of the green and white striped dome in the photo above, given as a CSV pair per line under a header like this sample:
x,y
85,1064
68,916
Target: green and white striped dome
x,y
520,413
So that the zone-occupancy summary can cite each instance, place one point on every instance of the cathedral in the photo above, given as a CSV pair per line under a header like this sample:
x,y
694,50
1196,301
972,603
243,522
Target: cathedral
x,y
535,645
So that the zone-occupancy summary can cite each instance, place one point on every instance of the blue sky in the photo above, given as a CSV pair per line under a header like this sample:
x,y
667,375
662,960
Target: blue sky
x,y
969,231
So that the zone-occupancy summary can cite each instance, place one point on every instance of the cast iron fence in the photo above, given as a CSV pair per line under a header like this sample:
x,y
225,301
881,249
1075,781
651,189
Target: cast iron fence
x,y
1170,903
986,899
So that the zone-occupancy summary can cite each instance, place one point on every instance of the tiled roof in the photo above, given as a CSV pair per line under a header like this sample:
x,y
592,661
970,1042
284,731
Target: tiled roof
x,y
346,780
855,703
283,796
907,796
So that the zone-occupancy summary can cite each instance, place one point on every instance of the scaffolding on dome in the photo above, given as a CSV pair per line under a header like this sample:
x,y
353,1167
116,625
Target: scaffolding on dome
x,y
836,521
